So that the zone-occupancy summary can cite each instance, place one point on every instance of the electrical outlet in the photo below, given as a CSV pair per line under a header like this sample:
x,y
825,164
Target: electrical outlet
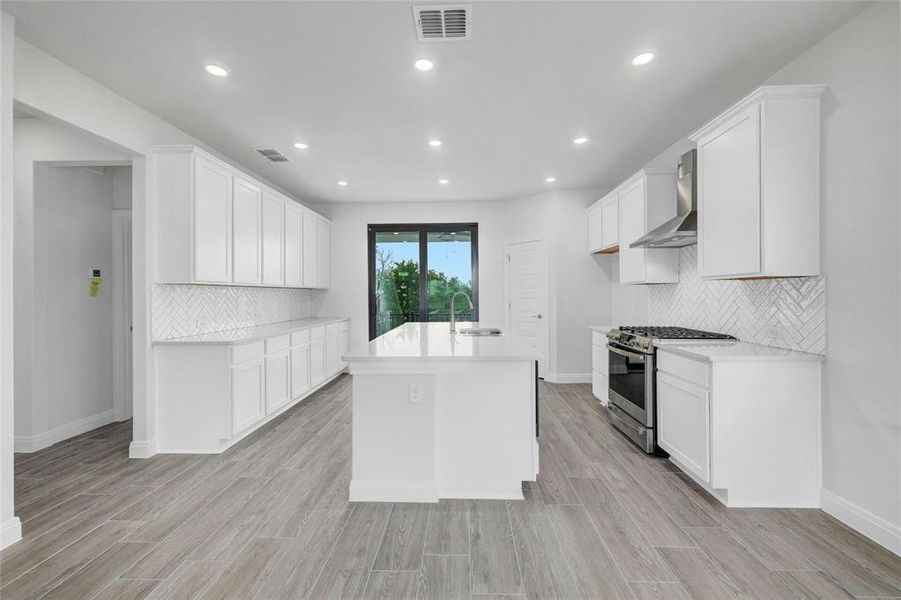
x,y
416,393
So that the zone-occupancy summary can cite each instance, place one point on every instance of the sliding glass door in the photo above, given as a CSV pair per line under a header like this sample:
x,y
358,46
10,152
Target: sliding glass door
x,y
415,269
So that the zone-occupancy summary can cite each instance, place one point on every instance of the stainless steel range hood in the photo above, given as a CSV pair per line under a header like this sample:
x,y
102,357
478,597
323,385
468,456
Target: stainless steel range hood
x,y
681,230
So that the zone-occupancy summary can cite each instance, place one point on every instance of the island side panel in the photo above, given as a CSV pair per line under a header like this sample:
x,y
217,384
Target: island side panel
x,y
486,428
394,456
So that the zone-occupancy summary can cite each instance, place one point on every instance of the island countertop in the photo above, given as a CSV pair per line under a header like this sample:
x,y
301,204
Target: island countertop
x,y
433,341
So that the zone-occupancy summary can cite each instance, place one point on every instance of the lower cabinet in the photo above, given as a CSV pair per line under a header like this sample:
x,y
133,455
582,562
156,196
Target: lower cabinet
x,y
600,367
683,430
246,395
210,395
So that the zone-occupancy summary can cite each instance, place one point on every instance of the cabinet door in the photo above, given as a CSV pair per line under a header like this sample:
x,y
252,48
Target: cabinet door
x,y
310,251
610,222
324,248
595,229
293,245
729,198
345,347
683,423
212,222
317,361
247,395
247,235
332,353
300,370
278,380
632,268
273,239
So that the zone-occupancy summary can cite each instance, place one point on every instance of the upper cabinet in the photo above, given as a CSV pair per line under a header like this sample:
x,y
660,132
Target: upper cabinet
x,y
646,200
603,225
758,186
217,225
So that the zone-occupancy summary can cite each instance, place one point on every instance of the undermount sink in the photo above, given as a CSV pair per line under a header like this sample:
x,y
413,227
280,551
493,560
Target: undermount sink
x,y
478,331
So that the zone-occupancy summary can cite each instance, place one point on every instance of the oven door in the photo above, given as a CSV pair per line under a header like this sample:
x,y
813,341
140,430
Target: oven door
x,y
631,380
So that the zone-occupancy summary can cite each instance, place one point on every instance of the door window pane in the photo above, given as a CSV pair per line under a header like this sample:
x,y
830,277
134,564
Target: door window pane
x,y
396,279
449,271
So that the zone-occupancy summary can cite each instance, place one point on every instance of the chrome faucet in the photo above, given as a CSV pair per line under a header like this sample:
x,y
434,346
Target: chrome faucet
x,y
453,314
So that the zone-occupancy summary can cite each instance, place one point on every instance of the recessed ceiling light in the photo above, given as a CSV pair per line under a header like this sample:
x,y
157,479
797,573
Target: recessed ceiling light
x,y
550,179
579,140
342,183
444,181
217,70
424,64
435,143
301,145
643,59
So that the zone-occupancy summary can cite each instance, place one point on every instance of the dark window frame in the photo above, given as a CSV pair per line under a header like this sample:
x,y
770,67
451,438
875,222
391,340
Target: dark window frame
x,y
423,229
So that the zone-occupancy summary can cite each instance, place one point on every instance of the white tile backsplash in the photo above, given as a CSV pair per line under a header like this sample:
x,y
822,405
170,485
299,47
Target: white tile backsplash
x,y
786,312
180,310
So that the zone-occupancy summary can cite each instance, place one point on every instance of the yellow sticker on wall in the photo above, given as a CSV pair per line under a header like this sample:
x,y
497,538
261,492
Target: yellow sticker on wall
x,y
94,286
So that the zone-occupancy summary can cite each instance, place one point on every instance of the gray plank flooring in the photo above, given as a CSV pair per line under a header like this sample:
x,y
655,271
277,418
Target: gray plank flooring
x,y
269,519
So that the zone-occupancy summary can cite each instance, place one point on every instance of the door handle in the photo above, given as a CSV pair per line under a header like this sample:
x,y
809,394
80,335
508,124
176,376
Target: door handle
x,y
536,316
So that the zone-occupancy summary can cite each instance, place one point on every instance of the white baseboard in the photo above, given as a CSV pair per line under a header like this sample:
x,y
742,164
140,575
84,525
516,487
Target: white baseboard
x,y
568,377
872,526
33,443
142,449
10,532
393,491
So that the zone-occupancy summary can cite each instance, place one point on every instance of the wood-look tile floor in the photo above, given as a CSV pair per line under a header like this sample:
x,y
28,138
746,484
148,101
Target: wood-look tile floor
x,y
270,519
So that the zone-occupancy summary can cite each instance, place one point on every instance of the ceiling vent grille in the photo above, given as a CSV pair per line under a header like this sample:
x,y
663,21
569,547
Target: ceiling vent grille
x,y
271,154
444,23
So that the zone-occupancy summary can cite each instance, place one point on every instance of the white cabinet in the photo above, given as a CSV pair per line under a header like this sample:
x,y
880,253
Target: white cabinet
x,y
600,367
274,246
247,395
683,430
744,424
758,186
310,251
246,242
646,200
217,225
300,369
323,239
278,372
603,224
293,245
317,361
344,347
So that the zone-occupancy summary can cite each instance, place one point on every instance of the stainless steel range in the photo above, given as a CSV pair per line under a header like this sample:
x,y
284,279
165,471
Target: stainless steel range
x,y
632,391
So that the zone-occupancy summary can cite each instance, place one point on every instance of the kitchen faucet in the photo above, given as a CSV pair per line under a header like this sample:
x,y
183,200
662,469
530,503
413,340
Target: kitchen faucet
x,y
453,314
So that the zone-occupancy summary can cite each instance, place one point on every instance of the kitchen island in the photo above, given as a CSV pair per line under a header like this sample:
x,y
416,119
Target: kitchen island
x,y
442,415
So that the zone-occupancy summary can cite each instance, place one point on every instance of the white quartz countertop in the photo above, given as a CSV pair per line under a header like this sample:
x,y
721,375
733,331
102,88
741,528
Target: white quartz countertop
x,y
733,351
251,334
602,328
433,341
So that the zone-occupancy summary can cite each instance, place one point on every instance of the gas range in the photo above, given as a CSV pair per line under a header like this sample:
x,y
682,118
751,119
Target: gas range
x,y
642,337
632,388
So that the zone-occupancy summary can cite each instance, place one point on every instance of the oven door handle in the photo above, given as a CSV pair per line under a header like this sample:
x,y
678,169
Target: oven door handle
x,y
635,355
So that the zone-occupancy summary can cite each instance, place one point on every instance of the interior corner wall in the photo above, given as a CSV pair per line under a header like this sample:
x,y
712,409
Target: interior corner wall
x,y
861,212
577,296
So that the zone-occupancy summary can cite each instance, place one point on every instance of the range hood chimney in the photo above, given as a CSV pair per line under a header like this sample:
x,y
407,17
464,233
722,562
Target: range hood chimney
x,y
681,230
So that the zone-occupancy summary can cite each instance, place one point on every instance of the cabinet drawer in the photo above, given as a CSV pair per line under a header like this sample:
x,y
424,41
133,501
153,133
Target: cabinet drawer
x,y
332,329
598,338
695,371
300,337
317,332
343,326
280,342
244,352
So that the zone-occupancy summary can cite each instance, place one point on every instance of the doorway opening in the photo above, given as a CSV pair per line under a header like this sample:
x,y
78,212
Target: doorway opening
x,y
415,270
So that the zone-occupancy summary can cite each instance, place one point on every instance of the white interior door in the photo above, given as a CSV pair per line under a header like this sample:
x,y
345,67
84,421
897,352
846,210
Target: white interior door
x,y
527,292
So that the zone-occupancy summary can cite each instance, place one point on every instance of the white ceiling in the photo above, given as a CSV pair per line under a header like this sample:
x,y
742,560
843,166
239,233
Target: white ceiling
x,y
339,76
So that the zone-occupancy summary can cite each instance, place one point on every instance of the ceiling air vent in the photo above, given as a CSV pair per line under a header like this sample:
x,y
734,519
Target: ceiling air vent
x,y
271,154
443,23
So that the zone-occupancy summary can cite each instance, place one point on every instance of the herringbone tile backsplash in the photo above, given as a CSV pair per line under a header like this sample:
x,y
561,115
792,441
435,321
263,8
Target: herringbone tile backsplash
x,y
788,313
180,310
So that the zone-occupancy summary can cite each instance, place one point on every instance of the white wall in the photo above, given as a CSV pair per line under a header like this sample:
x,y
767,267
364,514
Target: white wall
x,y
860,248
578,288
37,141
10,528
